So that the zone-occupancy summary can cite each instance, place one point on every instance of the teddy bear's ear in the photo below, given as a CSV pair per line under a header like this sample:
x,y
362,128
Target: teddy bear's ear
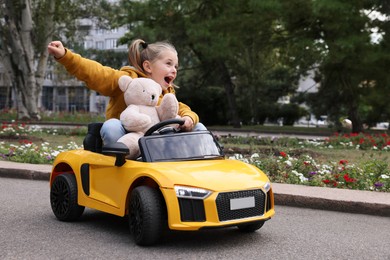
x,y
123,82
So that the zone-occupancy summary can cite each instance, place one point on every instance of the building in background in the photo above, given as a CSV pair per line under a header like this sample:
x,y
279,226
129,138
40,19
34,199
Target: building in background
x,y
61,92
71,95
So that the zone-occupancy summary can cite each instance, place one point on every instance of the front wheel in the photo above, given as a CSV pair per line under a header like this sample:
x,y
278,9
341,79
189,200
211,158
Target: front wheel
x,y
63,198
251,227
146,215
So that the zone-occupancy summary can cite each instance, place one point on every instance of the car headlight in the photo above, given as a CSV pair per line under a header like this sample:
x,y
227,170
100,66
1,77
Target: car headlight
x,y
267,187
191,193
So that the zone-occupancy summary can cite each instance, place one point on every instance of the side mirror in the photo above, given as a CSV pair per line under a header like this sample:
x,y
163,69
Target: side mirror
x,y
118,149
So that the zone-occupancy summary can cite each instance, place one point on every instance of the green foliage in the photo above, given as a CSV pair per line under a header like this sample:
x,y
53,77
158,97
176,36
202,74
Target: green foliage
x,y
338,33
209,103
222,44
290,113
110,58
255,52
238,57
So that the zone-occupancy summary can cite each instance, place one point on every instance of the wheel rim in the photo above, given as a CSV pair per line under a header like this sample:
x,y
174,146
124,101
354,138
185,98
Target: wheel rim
x,y
60,199
136,219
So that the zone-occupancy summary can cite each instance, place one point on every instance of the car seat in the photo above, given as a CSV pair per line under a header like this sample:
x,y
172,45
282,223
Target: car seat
x,y
93,141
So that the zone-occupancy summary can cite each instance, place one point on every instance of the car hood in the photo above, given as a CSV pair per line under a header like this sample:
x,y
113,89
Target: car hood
x,y
211,174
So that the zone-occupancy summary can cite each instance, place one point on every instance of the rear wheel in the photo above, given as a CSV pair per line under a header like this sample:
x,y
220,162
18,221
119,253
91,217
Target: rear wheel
x,y
146,215
63,198
251,227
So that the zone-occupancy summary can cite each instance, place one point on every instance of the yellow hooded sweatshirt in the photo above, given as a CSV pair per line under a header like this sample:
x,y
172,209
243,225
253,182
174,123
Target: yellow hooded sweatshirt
x,y
104,80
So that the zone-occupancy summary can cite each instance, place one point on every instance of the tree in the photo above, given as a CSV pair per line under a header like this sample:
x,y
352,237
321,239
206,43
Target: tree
x,y
348,59
26,30
18,53
376,102
221,43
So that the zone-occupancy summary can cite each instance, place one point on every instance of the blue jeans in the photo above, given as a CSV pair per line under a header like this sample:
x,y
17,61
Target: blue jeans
x,y
113,129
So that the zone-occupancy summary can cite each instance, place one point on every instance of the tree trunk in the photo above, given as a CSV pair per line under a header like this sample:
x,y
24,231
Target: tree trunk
x,y
22,57
43,57
229,90
5,60
352,103
357,126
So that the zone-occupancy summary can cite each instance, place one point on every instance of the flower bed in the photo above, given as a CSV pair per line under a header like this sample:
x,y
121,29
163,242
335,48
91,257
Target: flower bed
x,y
280,166
373,175
360,141
21,143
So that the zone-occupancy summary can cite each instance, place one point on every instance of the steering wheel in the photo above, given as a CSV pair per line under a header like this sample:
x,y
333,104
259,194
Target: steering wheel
x,y
158,127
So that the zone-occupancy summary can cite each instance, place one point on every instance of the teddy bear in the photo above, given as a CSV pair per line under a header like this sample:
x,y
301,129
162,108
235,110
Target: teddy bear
x,y
141,96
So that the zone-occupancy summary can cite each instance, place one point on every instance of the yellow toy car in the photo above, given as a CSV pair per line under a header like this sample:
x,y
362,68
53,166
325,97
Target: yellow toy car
x,y
182,181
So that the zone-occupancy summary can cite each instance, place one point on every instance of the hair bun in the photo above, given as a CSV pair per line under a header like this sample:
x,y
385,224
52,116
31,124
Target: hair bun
x,y
144,45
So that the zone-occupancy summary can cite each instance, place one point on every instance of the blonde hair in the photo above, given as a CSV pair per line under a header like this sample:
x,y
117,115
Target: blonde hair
x,y
140,51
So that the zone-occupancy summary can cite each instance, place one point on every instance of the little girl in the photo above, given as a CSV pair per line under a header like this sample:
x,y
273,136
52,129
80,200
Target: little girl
x,y
158,61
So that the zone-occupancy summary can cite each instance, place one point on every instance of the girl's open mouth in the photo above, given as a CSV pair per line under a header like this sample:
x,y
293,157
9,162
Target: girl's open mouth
x,y
168,80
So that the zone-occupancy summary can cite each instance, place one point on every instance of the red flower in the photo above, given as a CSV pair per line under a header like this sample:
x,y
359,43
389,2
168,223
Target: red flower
x,y
326,181
283,154
343,162
348,179
24,141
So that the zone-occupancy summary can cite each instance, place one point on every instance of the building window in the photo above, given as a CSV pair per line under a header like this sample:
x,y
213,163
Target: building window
x,y
110,43
99,31
100,45
88,44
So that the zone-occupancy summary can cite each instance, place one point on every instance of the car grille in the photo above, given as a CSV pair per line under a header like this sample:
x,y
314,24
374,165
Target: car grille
x,y
192,210
223,205
269,205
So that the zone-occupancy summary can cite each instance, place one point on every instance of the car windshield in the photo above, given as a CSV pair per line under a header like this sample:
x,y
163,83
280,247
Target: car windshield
x,y
180,146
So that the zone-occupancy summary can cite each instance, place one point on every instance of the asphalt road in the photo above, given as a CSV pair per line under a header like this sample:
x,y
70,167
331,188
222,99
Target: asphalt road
x,y
29,230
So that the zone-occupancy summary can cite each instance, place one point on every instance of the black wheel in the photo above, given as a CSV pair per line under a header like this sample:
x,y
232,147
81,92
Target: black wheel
x,y
147,219
251,227
63,198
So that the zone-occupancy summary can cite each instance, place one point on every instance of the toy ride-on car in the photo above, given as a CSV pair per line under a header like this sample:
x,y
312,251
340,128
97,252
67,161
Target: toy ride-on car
x,y
182,181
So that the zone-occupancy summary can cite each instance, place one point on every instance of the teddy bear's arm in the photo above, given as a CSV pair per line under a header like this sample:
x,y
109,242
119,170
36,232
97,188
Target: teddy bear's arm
x,y
168,108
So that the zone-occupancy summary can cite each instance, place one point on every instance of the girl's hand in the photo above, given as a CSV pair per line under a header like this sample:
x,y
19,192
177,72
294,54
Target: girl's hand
x,y
56,49
188,124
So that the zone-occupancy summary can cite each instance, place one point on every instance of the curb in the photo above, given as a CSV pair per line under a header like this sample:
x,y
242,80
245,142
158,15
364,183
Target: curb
x,y
24,174
25,170
323,203
332,199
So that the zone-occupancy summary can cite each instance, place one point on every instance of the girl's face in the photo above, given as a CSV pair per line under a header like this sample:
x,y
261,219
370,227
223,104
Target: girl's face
x,y
164,69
